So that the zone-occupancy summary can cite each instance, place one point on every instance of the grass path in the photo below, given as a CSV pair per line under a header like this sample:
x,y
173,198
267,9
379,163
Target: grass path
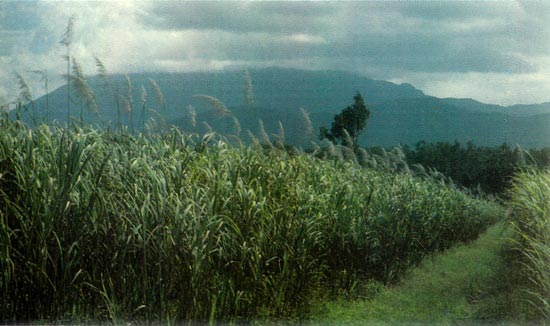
x,y
466,285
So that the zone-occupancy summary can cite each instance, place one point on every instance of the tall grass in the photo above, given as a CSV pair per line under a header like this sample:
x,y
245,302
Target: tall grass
x,y
171,226
44,77
25,99
530,218
67,41
83,91
249,94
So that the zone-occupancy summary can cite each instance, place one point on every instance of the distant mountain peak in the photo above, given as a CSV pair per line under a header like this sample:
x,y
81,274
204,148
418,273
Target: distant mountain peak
x,y
401,113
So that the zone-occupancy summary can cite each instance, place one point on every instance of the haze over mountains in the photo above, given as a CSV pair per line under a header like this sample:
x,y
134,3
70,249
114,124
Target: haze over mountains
x,y
400,114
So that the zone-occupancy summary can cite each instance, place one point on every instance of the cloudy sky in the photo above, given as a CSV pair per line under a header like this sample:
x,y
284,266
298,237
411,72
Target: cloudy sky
x,y
493,51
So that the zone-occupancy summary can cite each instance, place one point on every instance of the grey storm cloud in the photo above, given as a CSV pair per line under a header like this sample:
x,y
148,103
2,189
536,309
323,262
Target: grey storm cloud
x,y
440,46
271,17
18,15
400,36
430,54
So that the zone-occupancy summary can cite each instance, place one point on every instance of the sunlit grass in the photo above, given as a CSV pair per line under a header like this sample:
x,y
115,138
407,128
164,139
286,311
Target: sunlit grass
x,y
466,285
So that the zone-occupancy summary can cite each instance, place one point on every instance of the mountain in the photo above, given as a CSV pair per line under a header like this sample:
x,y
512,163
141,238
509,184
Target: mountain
x,y
400,114
518,109
435,119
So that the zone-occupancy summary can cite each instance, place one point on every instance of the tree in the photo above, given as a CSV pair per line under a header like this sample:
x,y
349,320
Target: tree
x,y
348,125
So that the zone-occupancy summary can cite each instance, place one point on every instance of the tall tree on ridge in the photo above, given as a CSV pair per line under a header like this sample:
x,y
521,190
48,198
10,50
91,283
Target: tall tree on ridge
x,y
348,125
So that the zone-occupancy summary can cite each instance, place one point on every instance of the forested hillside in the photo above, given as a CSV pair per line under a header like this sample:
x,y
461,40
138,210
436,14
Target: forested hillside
x,y
401,114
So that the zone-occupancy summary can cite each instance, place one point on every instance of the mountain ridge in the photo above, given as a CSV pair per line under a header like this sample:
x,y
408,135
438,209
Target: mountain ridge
x,y
400,113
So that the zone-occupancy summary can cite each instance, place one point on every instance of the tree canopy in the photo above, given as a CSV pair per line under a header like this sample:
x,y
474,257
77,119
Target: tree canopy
x,y
348,124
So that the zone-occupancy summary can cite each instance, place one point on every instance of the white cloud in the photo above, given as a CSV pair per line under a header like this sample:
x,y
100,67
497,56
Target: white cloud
x,y
491,51
495,88
305,38
95,23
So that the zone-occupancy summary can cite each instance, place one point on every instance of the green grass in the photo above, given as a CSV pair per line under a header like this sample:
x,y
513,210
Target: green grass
x,y
116,226
530,220
469,284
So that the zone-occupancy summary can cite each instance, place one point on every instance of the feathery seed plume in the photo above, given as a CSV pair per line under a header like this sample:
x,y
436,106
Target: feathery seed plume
x,y
264,136
221,109
248,89
348,153
129,92
280,132
68,35
42,73
192,115
83,90
25,94
158,93
236,126
315,146
347,139
101,70
126,105
207,127
253,138
143,96
308,126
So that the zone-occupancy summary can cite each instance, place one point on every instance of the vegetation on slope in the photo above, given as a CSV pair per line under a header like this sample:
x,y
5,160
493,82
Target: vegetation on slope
x,y
96,224
486,169
400,114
